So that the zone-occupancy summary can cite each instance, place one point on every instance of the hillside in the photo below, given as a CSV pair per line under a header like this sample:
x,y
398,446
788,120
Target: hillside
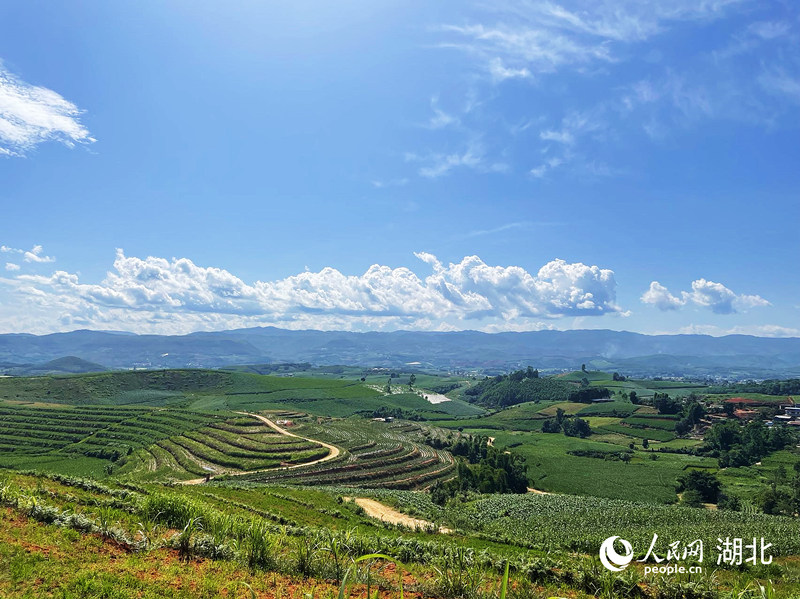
x,y
737,356
68,537
200,480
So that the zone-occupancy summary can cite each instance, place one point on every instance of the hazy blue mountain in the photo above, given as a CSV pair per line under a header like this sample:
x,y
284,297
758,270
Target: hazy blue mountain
x,y
632,353
65,365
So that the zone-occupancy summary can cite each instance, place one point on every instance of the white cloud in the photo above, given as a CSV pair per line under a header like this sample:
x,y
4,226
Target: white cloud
x,y
499,72
378,184
765,330
157,294
707,294
661,298
35,254
522,50
769,30
535,37
780,83
30,115
563,137
548,165
440,118
12,266
441,164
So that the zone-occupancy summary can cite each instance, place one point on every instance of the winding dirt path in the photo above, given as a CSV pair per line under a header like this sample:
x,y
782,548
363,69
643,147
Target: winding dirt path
x,y
537,491
379,511
333,452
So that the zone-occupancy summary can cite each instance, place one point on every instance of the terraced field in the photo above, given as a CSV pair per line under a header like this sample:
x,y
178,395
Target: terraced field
x,y
376,454
230,446
99,432
142,443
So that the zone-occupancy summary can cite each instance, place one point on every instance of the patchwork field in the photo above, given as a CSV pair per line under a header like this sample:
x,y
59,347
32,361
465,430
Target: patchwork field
x,y
343,437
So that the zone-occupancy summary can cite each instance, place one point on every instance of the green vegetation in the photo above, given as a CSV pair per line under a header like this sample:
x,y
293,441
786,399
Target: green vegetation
x,y
278,501
84,539
481,468
525,385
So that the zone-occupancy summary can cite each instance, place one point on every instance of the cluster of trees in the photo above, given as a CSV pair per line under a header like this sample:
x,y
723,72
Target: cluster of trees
x,y
387,412
690,408
482,469
572,427
442,389
526,385
782,496
622,456
735,444
768,387
699,487
777,500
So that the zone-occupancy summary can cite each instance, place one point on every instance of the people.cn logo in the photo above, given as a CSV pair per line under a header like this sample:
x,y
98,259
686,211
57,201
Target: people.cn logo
x,y
613,560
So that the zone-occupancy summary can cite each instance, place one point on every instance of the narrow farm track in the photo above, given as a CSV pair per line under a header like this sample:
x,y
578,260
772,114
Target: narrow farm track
x,y
384,513
333,452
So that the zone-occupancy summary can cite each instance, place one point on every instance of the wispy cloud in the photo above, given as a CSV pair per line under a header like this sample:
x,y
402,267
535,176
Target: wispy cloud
x,y
557,44
501,229
440,118
438,165
508,51
781,83
30,115
500,72
399,182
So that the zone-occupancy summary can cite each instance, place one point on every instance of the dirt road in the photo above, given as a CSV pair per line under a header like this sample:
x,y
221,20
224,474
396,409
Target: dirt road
x,y
375,509
333,452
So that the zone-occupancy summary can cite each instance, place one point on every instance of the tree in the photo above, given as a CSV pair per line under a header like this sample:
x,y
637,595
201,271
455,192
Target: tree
x,y
388,387
583,367
706,484
645,443
577,427
729,502
411,380
634,398
692,498
665,404
551,426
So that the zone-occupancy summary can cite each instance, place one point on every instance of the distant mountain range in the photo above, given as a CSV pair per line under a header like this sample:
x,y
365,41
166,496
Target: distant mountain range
x,y
733,356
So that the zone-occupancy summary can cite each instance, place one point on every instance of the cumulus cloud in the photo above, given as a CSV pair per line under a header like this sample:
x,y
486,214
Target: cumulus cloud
x,y
153,293
661,298
12,266
30,115
35,254
707,294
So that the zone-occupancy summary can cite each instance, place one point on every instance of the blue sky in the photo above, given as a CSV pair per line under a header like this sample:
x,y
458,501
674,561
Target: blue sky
x,y
170,167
